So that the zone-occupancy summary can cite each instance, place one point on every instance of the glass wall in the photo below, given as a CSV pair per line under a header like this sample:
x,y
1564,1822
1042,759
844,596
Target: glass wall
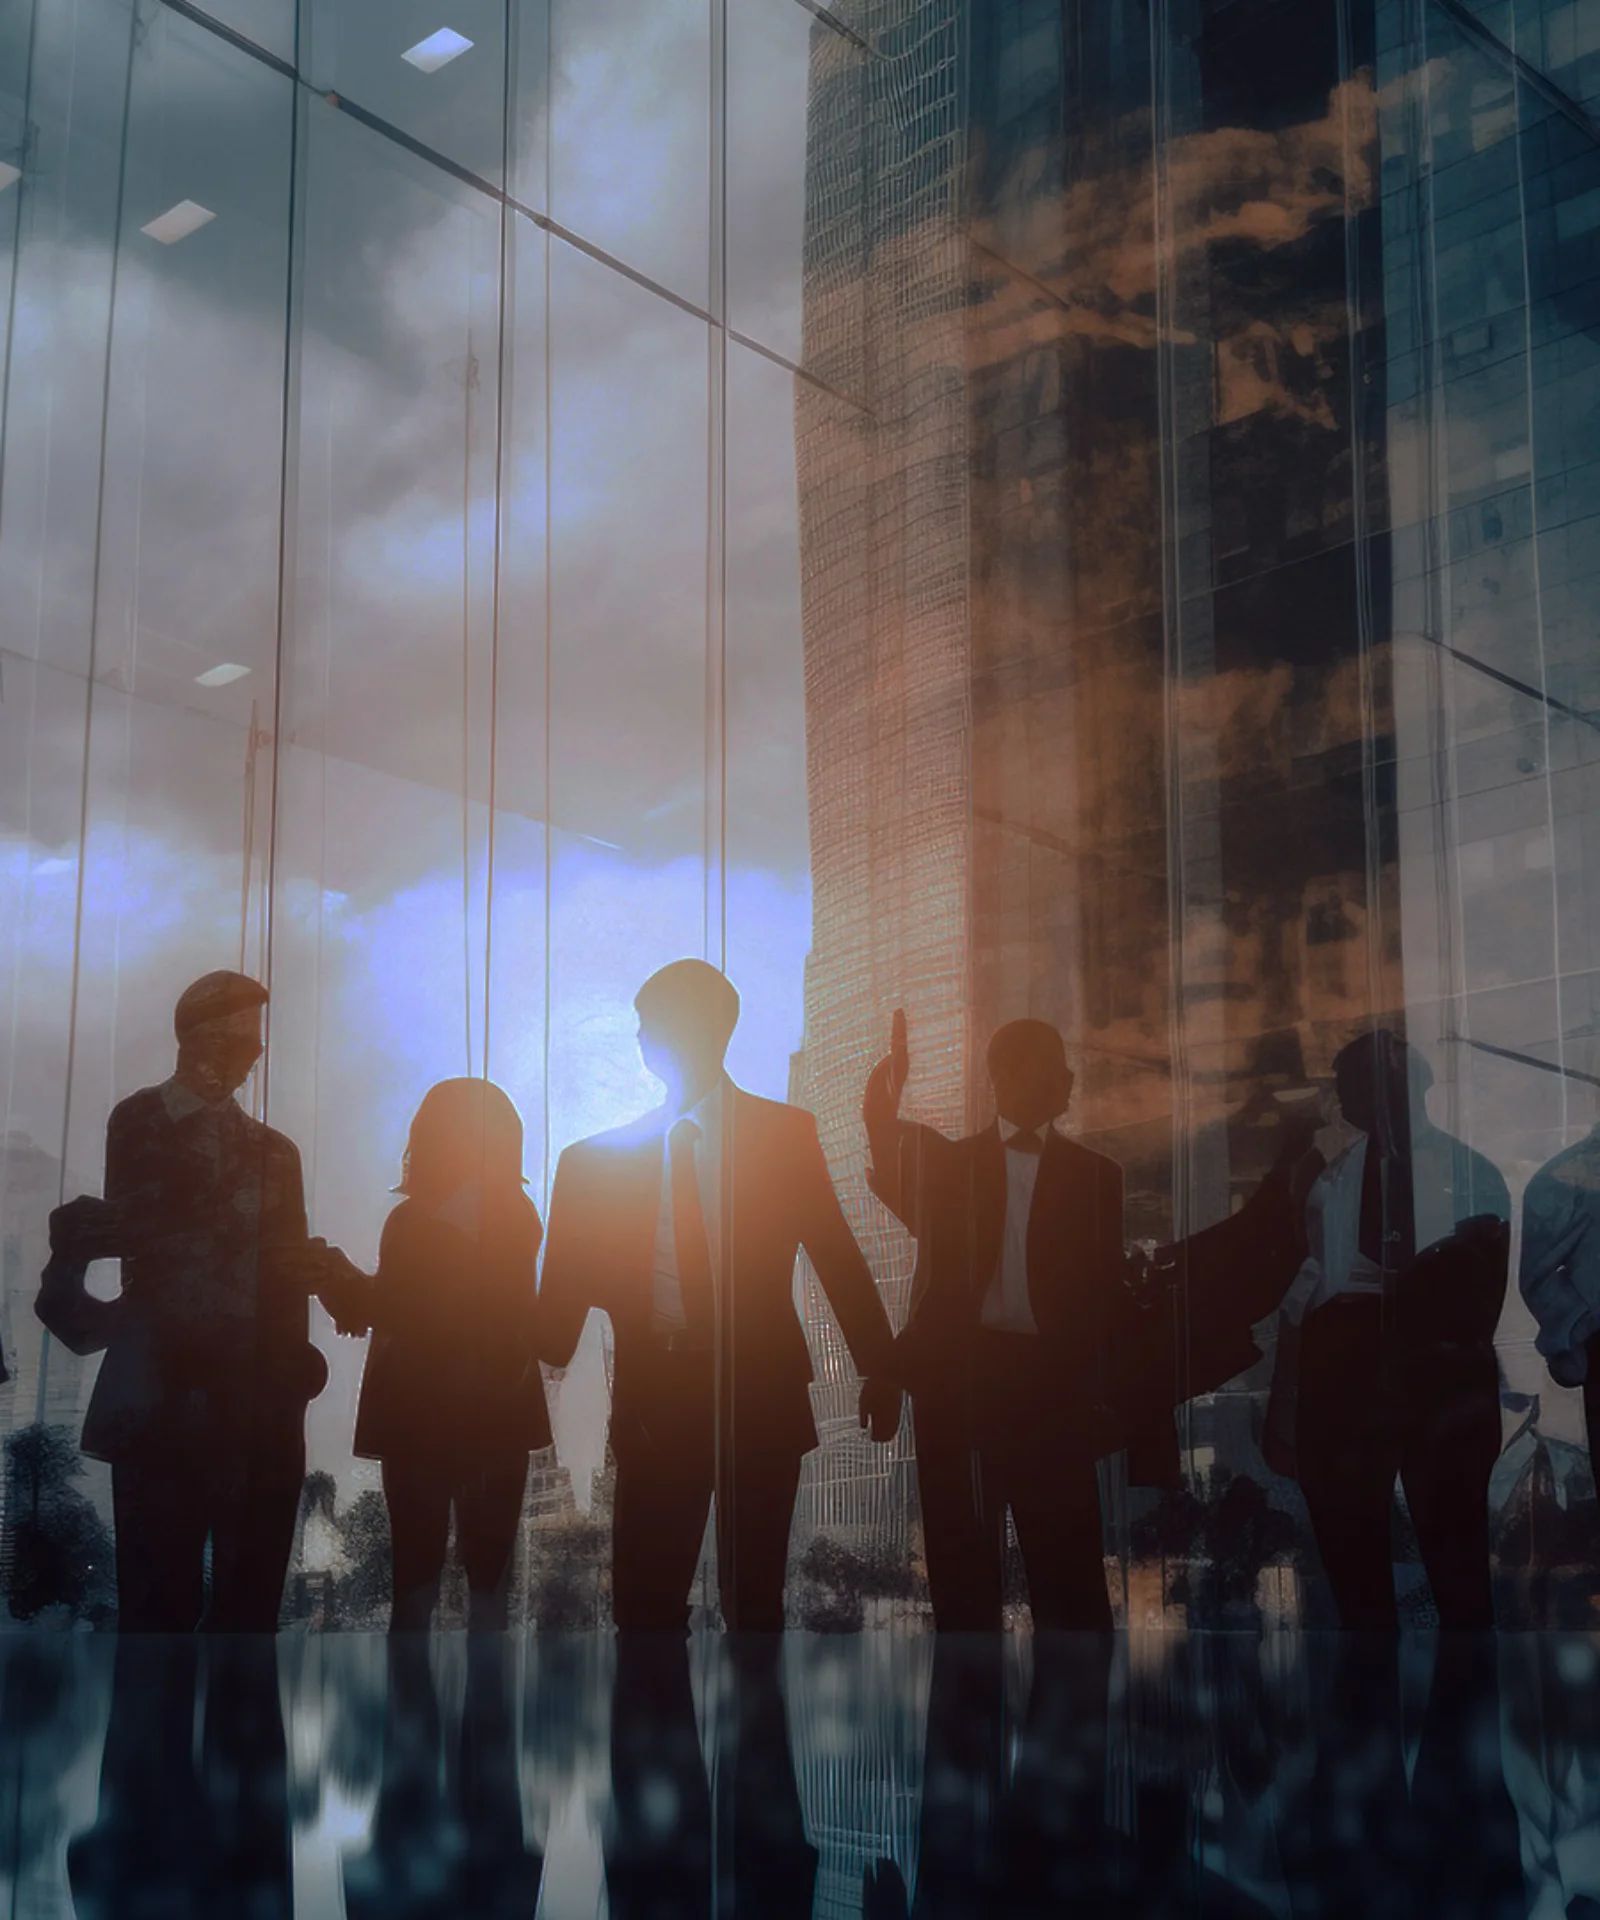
x,y
1083,513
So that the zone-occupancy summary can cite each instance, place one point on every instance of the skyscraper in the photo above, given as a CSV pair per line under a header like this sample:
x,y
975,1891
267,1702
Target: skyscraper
x,y
1242,348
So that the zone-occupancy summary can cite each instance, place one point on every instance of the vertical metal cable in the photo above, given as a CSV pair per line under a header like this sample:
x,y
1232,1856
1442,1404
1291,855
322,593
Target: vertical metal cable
x,y
288,497
471,382
23,195
1172,674
93,662
507,306
549,576
1538,587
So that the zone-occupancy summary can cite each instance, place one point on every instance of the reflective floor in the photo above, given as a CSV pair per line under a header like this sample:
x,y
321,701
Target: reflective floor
x,y
877,1774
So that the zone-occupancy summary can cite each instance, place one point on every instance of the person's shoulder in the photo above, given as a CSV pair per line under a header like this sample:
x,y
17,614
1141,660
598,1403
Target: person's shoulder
x,y
755,1110
1089,1160
1572,1175
139,1108
267,1137
596,1148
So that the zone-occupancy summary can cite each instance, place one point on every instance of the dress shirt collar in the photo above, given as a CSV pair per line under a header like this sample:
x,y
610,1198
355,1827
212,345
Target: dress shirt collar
x,y
706,1112
181,1101
1009,1132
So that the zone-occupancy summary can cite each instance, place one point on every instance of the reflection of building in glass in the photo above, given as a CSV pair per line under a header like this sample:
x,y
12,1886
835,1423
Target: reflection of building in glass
x,y
1256,424
880,455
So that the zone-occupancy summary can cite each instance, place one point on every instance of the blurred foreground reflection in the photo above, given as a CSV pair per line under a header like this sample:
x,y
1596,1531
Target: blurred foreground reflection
x,y
890,1775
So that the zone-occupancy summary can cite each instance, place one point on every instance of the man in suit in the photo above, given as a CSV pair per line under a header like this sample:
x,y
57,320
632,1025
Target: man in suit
x,y
683,1227
200,1401
1009,1344
1398,1301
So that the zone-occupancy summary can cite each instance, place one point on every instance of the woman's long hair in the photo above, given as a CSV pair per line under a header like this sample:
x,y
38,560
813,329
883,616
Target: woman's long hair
x,y
466,1132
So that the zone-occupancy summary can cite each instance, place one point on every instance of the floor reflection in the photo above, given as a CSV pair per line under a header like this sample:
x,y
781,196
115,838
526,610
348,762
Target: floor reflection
x,y
891,1776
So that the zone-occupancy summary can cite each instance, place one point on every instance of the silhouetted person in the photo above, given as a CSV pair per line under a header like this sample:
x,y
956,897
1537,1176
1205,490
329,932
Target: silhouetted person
x,y
182,1833
1399,1297
451,1400
447,1835
201,1398
684,1226
1560,1272
1008,1346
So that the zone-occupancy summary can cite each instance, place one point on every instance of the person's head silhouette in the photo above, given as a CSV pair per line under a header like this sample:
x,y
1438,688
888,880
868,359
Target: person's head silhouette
x,y
465,1133
218,1024
687,1013
1382,1084
1029,1073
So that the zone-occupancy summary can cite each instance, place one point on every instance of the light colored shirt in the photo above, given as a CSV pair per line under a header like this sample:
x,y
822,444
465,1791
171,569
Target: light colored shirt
x,y
1006,1307
1560,1271
1335,1263
666,1294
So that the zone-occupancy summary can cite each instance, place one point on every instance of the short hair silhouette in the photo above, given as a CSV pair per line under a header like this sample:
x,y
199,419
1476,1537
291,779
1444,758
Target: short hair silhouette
x,y
1020,1040
214,996
464,1131
1381,1060
692,999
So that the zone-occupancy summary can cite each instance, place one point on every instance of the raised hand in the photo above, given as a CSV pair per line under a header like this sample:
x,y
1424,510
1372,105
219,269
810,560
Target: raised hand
x,y
899,1054
887,1081
879,1409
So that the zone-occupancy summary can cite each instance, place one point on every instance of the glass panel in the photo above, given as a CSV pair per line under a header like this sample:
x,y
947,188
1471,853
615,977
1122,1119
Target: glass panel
x,y
628,703
439,76
797,178
381,938
630,134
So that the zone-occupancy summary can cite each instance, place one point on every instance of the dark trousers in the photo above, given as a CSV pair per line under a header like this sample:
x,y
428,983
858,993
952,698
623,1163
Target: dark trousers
x,y
1369,1412
1007,1435
419,1492
167,1504
670,1462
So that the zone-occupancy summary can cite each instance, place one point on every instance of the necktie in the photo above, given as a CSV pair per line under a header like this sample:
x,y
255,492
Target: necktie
x,y
689,1240
1025,1143
1387,1233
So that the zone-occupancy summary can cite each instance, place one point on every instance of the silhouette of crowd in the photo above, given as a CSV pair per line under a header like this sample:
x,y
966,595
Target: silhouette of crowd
x,y
1035,1343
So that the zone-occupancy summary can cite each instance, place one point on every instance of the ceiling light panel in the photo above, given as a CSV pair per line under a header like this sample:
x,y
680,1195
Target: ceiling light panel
x,y
178,222
437,51
221,675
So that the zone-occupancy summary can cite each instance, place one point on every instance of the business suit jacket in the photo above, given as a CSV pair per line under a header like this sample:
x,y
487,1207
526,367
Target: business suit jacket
x,y
451,1373
952,1196
208,1341
777,1197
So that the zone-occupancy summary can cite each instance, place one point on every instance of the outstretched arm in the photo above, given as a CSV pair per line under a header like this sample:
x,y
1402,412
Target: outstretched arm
x,y
851,1291
566,1290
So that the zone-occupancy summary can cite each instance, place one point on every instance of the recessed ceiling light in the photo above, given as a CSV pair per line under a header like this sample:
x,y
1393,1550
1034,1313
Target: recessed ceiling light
x,y
437,51
178,222
8,173
221,676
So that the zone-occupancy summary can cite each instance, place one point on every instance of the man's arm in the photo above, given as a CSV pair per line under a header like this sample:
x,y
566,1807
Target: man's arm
x,y
82,1231
566,1285
841,1266
900,1151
